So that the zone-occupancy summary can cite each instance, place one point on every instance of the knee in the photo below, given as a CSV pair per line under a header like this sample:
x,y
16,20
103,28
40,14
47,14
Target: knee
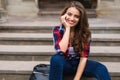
x,y
102,67
102,72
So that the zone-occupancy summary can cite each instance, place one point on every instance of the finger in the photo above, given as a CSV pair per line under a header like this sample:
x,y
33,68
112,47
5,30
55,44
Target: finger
x,y
63,18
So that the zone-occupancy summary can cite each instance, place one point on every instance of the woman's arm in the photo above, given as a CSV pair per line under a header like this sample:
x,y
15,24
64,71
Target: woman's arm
x,y
80,68
83,61
65,39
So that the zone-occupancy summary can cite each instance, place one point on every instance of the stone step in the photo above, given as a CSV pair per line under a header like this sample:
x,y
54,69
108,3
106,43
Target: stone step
x,y
53,12
47,39
55,8
62,3
21,70
49,36
42,52
42,24
49,29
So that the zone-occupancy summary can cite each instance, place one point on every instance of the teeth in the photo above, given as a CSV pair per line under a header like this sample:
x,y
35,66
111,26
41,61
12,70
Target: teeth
x,y
71,22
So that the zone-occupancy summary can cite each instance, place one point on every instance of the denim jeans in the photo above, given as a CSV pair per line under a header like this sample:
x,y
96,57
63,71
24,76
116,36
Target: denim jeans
x,y
60,66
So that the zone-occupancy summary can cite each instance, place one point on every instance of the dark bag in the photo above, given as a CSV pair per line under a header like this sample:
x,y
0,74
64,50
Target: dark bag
x,y
40,72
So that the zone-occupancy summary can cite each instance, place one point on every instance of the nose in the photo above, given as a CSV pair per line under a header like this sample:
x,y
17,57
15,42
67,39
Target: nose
x,y
71,17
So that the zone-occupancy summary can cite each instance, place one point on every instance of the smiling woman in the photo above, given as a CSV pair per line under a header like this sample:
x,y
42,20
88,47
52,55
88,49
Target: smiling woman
x,y
72,44
71,16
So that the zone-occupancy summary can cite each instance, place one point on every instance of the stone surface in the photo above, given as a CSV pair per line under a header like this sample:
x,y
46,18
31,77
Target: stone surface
x,y
109,8
15,70
28,49
49,36
22,9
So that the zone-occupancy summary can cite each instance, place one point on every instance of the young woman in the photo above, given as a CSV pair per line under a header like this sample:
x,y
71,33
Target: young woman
x,y
72,44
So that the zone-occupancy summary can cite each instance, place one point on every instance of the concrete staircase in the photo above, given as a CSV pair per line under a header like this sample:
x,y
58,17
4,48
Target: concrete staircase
x,y
54,8
25,44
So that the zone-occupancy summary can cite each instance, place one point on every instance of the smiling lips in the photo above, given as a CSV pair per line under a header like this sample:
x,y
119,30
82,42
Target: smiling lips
x,y
71,22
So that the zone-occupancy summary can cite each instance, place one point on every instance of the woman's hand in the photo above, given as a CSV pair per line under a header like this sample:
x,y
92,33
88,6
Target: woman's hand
x,y
65,39
80,68
63,21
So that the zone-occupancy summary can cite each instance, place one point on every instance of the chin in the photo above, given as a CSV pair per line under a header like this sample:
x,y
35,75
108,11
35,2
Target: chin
x,y
72,25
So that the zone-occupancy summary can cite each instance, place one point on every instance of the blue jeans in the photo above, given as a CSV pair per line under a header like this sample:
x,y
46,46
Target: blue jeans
x,y
60,66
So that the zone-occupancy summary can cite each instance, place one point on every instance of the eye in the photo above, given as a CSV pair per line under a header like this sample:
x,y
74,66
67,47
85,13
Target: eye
x,y
69,14
77,16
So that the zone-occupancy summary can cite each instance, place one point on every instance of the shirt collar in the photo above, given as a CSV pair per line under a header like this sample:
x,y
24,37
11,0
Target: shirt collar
x,y
61,28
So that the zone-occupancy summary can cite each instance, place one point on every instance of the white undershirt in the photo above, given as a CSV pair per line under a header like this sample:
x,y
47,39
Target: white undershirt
x,y
71,50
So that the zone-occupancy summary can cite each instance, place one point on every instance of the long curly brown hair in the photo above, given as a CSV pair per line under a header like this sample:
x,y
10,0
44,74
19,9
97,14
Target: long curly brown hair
x,y
82,32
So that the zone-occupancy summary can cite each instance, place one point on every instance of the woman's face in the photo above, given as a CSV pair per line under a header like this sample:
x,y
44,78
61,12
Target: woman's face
x,y
73,16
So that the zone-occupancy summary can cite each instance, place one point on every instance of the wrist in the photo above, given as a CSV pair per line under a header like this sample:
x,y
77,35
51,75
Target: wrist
x,y
67,28
76,78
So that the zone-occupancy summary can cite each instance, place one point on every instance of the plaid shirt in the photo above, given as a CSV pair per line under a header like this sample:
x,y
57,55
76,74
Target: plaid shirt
x,y
58,32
